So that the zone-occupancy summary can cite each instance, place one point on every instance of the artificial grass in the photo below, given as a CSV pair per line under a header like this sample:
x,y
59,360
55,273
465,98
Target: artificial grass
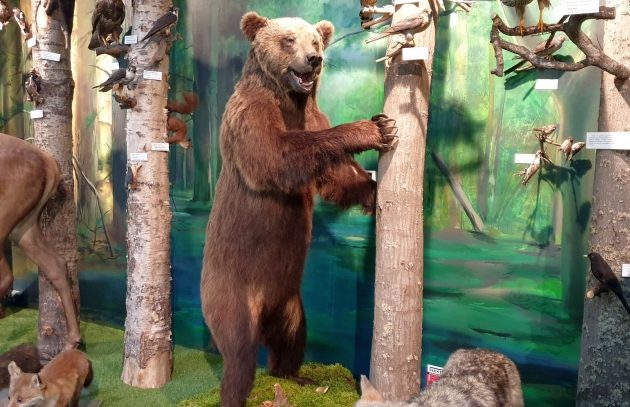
x,y
341,390
194,372
196,375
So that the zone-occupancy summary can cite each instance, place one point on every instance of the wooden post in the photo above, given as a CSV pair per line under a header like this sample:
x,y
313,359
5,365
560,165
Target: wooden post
x,y
53,134
397,341
604,375
148,358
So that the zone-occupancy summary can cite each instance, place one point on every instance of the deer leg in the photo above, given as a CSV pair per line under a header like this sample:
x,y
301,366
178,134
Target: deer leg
x,y
53,266
6,279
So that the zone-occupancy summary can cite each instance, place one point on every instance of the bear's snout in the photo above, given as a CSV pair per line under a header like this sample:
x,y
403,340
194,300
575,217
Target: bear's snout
x,y
314,59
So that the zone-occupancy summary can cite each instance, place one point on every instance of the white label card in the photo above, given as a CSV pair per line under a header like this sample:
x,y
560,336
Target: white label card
x,y
546,84
37,114
415,53
524,158
155,75
372,174
51,56
139,157
625,270
115,65
31,42
434,369
160,147
580,6
619,140
130,39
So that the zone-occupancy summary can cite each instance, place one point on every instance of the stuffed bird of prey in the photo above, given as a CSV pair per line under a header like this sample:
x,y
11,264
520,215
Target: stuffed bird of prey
x,y
519,7
163,22
6,13
107,17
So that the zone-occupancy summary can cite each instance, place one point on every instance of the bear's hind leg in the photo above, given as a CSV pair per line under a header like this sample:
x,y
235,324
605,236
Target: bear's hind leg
x,y
235,334
284,334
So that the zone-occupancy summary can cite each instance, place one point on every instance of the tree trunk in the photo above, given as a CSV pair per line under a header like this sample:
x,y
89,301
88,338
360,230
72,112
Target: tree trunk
x,y
604,375
148,355
397,340
53,134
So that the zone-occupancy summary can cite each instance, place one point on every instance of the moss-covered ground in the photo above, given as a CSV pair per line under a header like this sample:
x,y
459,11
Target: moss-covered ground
x,y
196,375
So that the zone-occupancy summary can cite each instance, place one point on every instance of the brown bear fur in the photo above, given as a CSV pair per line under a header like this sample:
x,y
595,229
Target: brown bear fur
x,y
278,151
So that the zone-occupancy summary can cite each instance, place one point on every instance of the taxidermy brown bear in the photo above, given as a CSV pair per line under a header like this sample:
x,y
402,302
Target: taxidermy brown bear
x,y
278,151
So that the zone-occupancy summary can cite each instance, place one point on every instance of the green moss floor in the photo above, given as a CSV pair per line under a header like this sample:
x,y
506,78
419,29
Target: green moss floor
x,y
196,375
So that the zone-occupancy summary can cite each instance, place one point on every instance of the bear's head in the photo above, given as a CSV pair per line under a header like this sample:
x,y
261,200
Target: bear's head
x,y
289,50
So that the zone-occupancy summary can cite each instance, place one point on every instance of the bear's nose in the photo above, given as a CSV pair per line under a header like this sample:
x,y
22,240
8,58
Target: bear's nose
x,y
314,59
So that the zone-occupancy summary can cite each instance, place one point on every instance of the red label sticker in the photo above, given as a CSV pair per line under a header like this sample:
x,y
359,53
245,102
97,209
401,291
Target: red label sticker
x,y
433,373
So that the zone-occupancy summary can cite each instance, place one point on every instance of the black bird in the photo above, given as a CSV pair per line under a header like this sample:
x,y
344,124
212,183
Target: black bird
x,y
163,22
67,11
33,86
120,76
602,272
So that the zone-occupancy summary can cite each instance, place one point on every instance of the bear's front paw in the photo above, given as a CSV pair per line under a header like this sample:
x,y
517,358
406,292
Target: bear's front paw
x,y
387,131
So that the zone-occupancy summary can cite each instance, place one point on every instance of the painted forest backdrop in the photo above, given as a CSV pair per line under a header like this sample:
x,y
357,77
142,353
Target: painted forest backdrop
x,y
516,286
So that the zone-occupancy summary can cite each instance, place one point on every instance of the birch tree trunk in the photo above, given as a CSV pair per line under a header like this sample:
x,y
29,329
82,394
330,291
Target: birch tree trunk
x,y
53,133
397,340
604,375
148,355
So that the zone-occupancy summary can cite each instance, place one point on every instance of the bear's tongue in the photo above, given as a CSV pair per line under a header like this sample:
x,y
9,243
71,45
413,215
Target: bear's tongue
x,y
305,77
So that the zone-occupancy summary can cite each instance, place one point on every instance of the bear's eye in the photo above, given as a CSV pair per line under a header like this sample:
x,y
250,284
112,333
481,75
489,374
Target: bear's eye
x,y
289,41
316,45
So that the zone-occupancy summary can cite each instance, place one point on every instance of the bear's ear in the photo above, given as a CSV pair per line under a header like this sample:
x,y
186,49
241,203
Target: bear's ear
x,y
251,23
326,30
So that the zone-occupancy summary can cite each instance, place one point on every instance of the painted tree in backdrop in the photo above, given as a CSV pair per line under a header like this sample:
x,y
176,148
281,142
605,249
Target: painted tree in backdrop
x,y
51,27
148,357
397,339
604,375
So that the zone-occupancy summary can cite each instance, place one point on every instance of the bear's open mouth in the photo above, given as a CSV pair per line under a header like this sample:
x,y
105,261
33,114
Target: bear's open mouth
x,y
302,81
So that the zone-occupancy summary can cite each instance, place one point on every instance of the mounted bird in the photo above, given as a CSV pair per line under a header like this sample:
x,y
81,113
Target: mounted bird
x,y
520,5
107,18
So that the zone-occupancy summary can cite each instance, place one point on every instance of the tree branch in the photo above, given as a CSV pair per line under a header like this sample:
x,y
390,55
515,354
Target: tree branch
x,y
572,28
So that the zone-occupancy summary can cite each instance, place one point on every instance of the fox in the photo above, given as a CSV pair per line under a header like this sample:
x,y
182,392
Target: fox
x,y
58,384
470,378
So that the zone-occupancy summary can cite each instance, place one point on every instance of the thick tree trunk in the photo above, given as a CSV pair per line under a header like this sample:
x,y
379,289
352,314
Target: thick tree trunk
x,y
148,355
604,376
53,133
397,341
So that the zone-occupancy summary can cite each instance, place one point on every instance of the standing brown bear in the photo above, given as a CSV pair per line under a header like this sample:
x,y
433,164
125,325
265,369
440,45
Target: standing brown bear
x,y
278,151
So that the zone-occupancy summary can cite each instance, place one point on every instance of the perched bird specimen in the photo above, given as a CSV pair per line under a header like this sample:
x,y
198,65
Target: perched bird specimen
x,y
542,50
608,280
542,5
115,50
107,17
577,147
163,22
527,174
544,132
33,86
519,7
414,22
565,147
118,78
5,14
20,19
